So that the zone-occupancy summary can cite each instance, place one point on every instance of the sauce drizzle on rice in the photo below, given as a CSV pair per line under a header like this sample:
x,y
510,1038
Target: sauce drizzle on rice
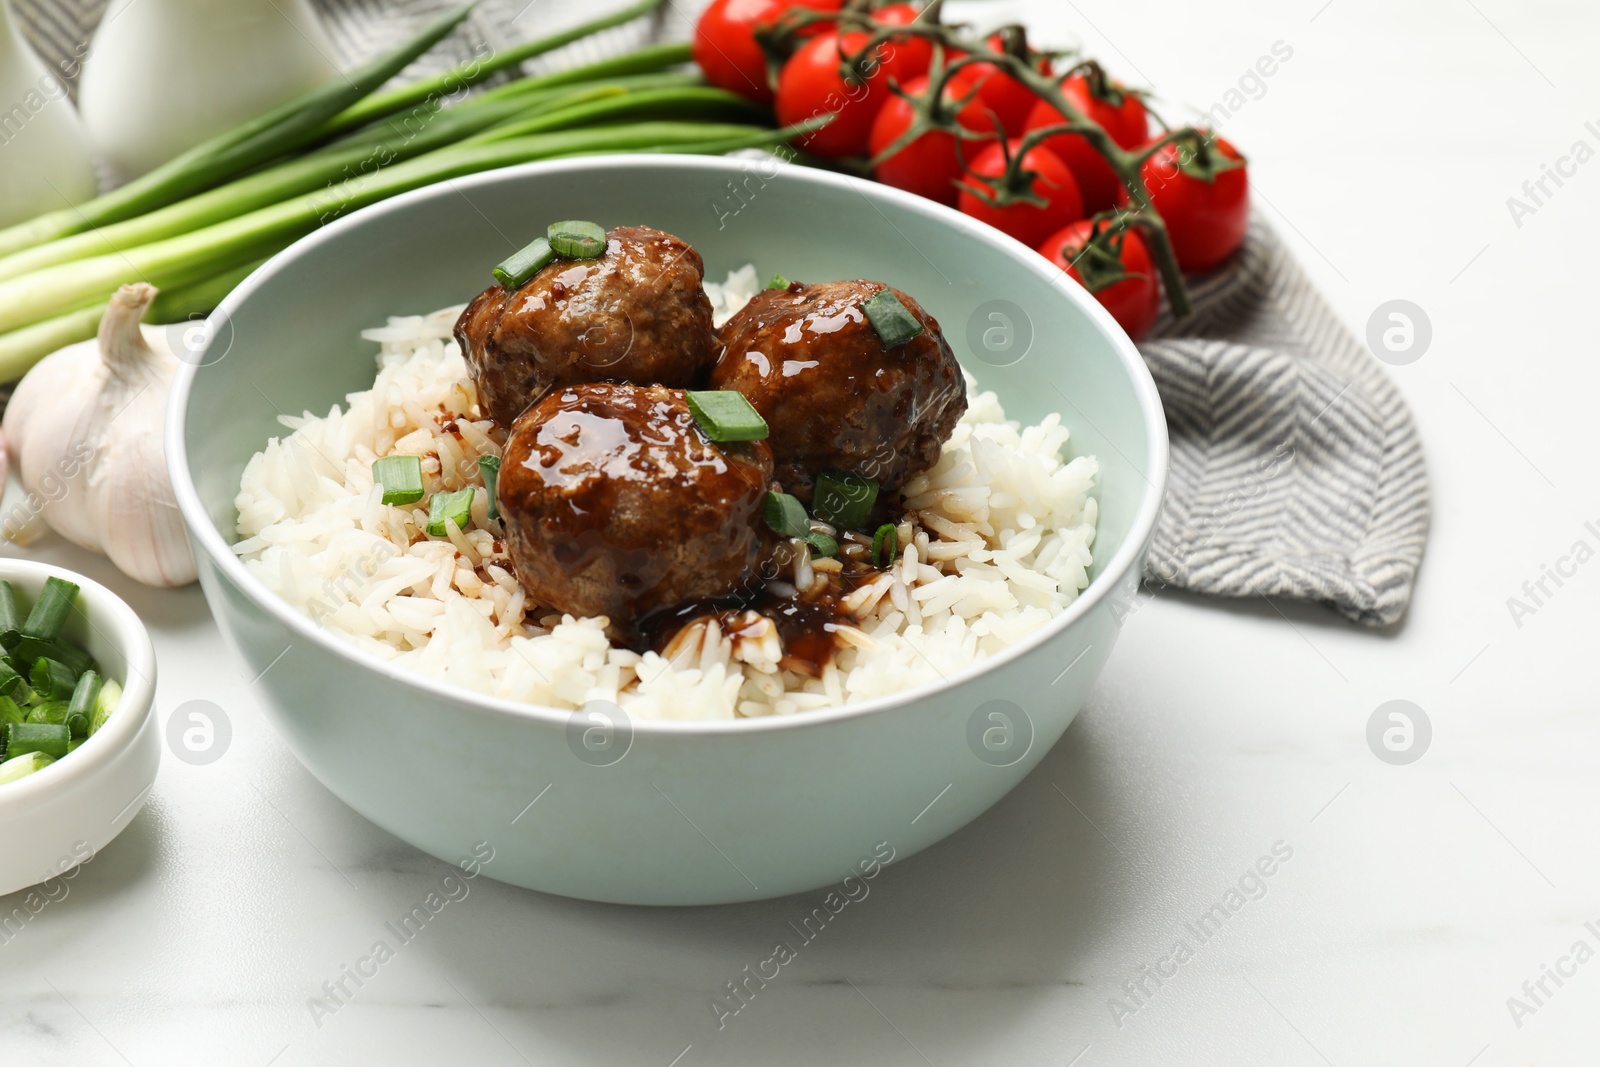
x,y
995,541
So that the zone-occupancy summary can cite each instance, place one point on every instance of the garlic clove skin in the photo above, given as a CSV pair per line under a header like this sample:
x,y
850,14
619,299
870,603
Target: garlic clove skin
x,y
85,427
49,455
149,542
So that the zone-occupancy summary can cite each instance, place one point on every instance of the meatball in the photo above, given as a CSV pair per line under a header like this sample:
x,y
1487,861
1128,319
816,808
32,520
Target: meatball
x,y
636,314
616,504
833,395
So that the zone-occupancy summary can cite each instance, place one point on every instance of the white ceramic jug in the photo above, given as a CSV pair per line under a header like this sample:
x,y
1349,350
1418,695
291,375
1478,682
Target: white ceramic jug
x,y
163,75
44,158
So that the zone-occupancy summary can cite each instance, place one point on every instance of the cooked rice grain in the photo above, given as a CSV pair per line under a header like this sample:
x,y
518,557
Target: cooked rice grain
x,y
996,543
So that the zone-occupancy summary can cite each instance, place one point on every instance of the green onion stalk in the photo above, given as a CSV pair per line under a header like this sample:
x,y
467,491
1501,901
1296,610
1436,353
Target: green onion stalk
x,y
470,73
361,155
323,113
283,129
40,309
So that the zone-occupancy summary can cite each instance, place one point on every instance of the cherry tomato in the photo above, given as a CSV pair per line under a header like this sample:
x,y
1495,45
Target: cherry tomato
x,y
1008,99
1206,219
1028,223
1126,122
811,86
1135,301
932,164
725,46
913,55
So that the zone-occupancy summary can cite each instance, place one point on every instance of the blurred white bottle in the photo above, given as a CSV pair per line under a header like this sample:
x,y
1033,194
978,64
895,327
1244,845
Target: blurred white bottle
x,y
44,158
163,75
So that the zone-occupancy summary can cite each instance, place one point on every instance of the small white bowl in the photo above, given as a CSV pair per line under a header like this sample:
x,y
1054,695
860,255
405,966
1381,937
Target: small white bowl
x,y
57,818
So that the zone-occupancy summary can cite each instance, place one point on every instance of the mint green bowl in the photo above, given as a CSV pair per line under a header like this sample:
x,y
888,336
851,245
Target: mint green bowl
x,y
692,812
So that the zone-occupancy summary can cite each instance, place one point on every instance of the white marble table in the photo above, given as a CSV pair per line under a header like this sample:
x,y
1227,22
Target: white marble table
x,y
1417,898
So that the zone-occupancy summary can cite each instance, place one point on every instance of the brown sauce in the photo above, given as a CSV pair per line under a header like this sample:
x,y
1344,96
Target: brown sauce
x,y
808,626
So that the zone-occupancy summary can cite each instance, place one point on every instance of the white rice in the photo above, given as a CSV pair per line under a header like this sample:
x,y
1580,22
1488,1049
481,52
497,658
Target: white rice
x,y
996,542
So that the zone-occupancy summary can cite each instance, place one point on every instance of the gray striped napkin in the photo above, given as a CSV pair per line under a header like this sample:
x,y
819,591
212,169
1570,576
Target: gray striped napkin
x,y
1297,470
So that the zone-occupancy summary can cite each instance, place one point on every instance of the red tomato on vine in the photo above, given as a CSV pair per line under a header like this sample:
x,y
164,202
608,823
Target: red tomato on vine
x,y
812,85
1204,198
1029,223
932,164
913,55
725,45
1120,114
1135,300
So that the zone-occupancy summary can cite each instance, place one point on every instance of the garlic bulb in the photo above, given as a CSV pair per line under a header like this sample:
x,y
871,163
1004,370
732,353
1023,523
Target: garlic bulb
x,y
85,431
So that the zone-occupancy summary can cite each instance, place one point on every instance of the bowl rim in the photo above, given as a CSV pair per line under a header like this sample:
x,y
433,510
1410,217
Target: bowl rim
x,y
97,753
221,556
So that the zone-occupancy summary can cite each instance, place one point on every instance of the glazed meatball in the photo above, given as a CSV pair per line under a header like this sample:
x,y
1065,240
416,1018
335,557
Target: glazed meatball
x,y
832,393
635,314
616,504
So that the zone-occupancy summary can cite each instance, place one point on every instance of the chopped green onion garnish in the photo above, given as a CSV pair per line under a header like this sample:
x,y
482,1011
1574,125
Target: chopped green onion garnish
x,y
456,507
10,621
9,679
778,282
885,545
55,680
577,239
894,323
110,697
821,544
31,649
844,499
50,611
11,711
518,269
77,725
51,711
49,738
489,467
84,697
401,478
786,515
725,415
72,746
24,765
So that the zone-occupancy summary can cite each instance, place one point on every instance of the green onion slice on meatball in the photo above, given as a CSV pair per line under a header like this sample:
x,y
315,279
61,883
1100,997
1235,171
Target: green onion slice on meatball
x,y
578,240
520,268
725,415
893,321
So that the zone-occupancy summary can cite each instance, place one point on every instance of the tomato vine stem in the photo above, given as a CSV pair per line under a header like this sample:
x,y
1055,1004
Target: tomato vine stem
x,y
1017,60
